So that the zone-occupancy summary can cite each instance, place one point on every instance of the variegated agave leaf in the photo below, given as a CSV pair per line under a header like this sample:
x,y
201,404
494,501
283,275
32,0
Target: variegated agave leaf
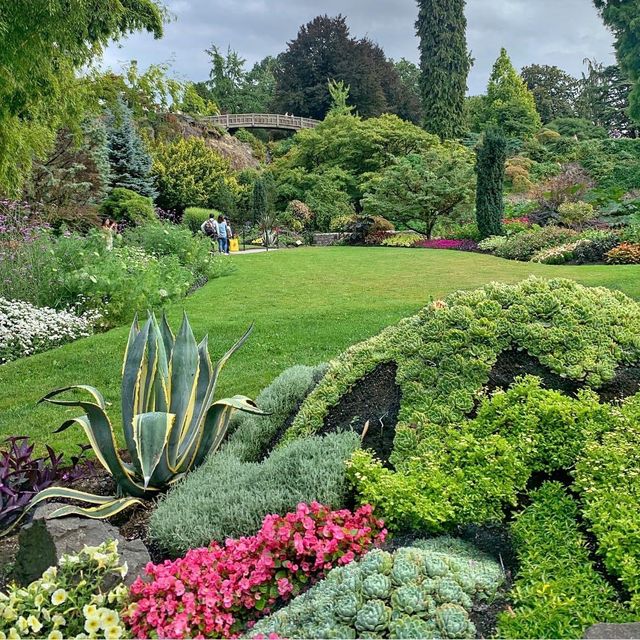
x,y
170,419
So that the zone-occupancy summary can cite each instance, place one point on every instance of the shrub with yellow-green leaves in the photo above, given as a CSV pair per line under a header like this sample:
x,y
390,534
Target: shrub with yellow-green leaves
x,y
76,599
447,468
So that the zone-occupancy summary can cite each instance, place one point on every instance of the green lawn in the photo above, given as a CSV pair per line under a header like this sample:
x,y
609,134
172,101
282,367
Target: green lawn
x,y
308,305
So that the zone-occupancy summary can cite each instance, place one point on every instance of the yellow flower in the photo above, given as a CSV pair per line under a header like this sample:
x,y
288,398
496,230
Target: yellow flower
x,y
58,620
3,635
9,614
13,634
34,623
92,625
46,616
113,633
22,624
124,569
108,617
39,600
90,611
58,597
55,635
50,573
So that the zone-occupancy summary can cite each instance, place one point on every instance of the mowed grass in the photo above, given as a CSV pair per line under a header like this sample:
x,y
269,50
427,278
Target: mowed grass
x,y
308,305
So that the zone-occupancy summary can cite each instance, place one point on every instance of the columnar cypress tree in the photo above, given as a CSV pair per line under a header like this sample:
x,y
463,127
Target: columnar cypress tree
x,y
259,200
445,64
129,161
491,158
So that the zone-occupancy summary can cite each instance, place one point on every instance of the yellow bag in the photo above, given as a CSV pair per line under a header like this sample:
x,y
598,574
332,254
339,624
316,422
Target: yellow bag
x,y
234,244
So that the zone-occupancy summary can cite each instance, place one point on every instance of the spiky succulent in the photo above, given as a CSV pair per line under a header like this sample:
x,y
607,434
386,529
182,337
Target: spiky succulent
x,y
170,418
381,596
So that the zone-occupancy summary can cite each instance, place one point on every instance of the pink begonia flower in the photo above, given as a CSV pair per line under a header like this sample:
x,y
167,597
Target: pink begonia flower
x,y
212,592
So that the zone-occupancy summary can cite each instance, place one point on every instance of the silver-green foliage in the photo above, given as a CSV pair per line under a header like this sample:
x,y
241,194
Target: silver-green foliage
x,y
229,498
413,593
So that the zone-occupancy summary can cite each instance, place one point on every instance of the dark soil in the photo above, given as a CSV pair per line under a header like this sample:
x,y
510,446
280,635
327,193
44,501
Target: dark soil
x,y
512,363
371,409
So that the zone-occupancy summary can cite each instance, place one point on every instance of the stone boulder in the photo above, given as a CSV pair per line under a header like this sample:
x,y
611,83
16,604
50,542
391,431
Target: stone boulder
x,y
602,631
43,541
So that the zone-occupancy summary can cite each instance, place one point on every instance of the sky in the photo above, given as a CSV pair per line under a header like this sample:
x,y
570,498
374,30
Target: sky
x,y
557,32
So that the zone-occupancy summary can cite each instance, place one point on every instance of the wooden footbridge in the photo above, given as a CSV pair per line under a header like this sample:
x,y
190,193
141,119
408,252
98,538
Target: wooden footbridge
x,y
261,121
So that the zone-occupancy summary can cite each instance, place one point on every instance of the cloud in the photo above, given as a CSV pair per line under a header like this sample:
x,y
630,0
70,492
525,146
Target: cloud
x,y
560,32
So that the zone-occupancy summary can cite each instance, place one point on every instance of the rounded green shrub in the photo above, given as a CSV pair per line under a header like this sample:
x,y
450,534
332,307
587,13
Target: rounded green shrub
x,y
124,205
194,217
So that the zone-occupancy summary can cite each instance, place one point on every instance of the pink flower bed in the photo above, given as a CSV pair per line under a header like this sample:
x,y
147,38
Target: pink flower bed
x,y
460,245
215,592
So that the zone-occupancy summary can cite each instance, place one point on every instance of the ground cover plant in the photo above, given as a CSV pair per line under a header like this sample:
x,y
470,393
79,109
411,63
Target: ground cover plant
x,y
558,592
461,339
425,591
311,323
217,590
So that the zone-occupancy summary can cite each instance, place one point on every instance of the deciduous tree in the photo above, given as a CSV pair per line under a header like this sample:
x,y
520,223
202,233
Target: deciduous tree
x,y
555,92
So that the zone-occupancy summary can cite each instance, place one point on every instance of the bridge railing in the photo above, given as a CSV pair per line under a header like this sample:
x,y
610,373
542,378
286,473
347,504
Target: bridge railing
x,y
258,120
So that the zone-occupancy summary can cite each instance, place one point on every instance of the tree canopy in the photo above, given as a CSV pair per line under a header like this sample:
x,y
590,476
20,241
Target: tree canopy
x,y
510,104
419,189
44,43
445,64
555,92
621,16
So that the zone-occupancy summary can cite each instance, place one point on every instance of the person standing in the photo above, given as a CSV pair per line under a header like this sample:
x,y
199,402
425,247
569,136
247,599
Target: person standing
x,y
222,233
229,234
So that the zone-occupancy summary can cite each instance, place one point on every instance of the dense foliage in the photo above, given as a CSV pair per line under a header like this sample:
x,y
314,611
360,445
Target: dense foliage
x,y
444,65
557,593
461,338
491,158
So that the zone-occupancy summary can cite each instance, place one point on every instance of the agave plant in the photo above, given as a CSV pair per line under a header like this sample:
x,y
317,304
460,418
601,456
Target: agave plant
x,y
169,417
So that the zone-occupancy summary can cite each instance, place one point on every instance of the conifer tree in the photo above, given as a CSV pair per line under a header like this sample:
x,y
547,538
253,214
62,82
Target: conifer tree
x,y
510,104
444,64
129,161
491,158
259,200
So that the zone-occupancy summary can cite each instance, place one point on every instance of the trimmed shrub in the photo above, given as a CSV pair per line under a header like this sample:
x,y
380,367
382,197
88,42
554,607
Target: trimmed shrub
x,y
625,253
124,205
416,592
576,213
194,217
557,255
216,591
607,479
594,246
492,243
491,158
402,239
523,246
558,593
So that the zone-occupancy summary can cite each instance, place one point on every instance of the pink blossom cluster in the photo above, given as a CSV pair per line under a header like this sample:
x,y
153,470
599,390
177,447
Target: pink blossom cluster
x,y
215,592
523,220
442,243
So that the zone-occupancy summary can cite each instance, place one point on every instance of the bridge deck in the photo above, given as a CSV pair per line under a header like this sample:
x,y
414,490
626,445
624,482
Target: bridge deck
x,y
261,121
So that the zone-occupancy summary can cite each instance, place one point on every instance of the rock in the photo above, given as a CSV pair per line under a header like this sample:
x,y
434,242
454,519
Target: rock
x,y
628,631
42,543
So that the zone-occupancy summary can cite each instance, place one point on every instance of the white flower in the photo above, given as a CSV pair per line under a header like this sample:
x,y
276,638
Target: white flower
x,y
58,597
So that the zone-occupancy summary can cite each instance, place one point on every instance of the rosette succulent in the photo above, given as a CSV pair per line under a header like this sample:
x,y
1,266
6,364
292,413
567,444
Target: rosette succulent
x,y
373,616
412,627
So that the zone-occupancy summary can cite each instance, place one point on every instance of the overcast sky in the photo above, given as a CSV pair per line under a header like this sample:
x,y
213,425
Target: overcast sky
x,y
560,32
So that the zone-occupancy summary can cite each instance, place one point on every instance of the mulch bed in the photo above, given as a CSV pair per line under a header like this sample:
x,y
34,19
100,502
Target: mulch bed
x,y
374,400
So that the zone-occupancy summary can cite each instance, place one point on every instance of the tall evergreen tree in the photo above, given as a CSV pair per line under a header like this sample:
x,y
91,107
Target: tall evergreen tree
x,y
259,203
445,64
128,159
621,16
510,104
491,158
